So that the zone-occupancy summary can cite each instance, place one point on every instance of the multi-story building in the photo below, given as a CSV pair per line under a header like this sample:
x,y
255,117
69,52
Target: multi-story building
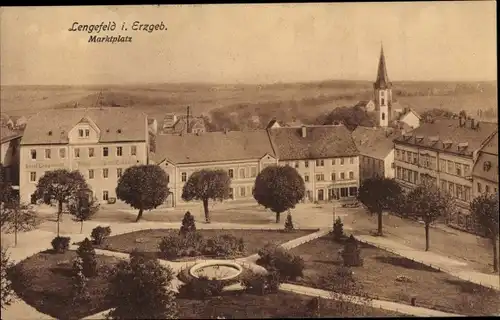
x,y
9,153
325,156
243,154
485,171
443,152
100,143
376,151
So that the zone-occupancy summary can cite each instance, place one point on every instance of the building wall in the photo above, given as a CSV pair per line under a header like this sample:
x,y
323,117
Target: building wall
x,y
450,172
370,167
370,106
480,186
68,159
318,177
411,119
389,165
243,175
9,158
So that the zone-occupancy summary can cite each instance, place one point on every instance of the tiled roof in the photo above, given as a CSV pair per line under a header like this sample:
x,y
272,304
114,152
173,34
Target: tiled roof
x,y
6,134
374,142
181,124
131,122
486,165
362,103
212,146
320,142
432,135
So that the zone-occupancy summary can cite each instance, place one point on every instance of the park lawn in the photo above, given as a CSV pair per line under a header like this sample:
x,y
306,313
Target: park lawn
x,y
431,288
241,305
147,240
44,282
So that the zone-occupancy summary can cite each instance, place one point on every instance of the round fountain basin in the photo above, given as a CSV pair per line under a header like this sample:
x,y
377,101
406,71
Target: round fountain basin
x,y
218,270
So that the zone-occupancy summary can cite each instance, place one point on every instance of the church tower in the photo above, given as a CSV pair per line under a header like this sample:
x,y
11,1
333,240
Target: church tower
x,y
383,92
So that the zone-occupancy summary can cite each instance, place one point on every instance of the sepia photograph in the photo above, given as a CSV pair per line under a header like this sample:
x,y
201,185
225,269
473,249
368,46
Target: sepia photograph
x,y
239,161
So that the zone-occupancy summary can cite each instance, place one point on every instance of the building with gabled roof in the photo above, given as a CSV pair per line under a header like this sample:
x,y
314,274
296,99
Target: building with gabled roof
x,y
376,151
99,142
9,153
443,152
485,171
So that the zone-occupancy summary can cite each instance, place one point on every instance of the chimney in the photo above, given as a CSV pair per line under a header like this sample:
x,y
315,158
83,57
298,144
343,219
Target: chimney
x,y
188,129
304,131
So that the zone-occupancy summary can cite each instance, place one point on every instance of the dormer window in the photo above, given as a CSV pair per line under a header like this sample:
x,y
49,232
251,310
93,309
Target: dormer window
x,y
487,166
419,138
447,144
462,146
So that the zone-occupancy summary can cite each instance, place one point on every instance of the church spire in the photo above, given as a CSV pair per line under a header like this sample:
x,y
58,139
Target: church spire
x,y
382,81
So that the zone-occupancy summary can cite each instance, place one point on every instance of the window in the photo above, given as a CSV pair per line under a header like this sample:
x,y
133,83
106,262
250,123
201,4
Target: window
x,y
408,156
230,172
105,195
415,177
242,173
306,178
466,170
47,154
398,172
80,133
33,154
383,113
458,168
343,192
62,153
77,152
333,162
442,165
353,191
32,176
306,164
105,151
231,193
296,164
451,188
479,189
333,176
415,158
351,160
87,132
242,191
486,188
105,173
443,184
342,176
405,174
320,163
398,154
91,174
341,161
467,193
450,167
351,175
133,150
184,176
458,191
119,172
91,152
403,155
320,177
253,171
119,151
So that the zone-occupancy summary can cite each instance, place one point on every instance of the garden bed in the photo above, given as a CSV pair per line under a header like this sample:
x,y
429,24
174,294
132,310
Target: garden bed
x,y
147,241
241,305
431,288
44,282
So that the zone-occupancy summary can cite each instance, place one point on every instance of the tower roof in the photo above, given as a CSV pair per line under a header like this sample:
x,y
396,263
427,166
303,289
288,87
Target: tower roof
x,y
382,81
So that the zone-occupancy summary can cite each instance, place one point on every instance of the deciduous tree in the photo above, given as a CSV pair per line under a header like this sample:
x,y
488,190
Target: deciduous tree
x,y
82,208
428,203
207,185
140,290
17,217
379,194
279,188
6,292
144,187
484,211
59,185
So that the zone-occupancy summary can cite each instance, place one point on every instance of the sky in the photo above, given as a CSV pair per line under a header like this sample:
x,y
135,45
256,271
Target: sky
x,y
243,43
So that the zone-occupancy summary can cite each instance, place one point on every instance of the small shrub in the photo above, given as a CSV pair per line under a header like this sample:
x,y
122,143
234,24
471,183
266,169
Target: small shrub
x,y
351,254
338,230
99,234
289,223
276,258
188,224
201,288
79,291
223,245
7,293
261,283
60,244
174,246
86,253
